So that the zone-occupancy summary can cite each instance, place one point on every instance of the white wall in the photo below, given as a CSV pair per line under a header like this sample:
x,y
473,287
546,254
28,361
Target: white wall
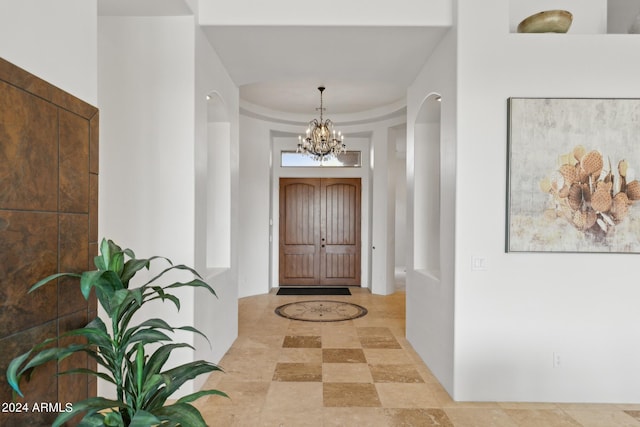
x,y
254,194
430,300
400,169
153,123
334,12
511,318
56,41
216,318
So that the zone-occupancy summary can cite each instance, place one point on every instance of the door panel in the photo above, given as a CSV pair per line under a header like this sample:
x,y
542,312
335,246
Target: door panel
x,y
320,231
340,249
299,231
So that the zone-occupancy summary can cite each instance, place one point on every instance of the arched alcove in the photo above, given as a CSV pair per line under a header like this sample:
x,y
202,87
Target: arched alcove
x,y
427,149
218,217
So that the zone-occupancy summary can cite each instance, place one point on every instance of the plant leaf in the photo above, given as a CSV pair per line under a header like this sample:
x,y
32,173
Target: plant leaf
x,y
50,354
179,375
13,378
92,404
132,266
174,267
151,386
88,280
144,419
170,297
181,413
146,336
139,367
160,356
197,395
105,252
50,278
93,335
156,323
113,419
88,372
196,283
93,420
117,263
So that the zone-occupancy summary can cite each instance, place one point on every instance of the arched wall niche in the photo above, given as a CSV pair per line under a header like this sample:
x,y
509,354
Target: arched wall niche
x,y
427,209
218,217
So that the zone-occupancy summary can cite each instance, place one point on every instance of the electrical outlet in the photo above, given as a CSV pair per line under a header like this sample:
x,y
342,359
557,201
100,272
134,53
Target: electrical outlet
x,y
479,263
556,359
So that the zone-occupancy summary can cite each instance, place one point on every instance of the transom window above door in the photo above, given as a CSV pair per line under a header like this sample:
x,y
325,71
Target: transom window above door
x,y
292,159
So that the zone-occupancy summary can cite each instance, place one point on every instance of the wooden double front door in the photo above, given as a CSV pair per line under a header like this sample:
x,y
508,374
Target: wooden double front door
x,y
320,231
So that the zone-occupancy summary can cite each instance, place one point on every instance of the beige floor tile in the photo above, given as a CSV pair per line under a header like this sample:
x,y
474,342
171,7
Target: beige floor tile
x,y
376,356
346,373
356,417
302,341
343,355
379,342
291,396
479,417
250,364
528,405
350,394
344,327
259,341
633,413
294,417
395,374
297,327
340,341
541,418
406,395
247,394
603,418
298,372
301,355
231,416
424,417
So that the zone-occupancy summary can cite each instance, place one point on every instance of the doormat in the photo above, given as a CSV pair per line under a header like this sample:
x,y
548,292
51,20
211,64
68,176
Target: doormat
x,y
321,311
313,290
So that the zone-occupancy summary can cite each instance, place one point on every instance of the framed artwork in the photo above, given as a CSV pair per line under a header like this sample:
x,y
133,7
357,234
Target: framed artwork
x,y
572,167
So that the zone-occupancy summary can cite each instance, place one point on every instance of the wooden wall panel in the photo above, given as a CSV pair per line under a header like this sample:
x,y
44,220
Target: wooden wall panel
x,y
48,223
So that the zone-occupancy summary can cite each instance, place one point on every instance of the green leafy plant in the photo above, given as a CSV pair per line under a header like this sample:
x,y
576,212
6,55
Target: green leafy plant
x,y
143,385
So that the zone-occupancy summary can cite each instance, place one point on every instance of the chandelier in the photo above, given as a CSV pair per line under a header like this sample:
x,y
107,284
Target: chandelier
x,y
321,140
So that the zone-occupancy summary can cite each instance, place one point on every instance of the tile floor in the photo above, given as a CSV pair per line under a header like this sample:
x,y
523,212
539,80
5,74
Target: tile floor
x,y
360,372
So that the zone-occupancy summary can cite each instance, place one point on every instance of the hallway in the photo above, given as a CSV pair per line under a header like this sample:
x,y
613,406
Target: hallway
x,y
360,372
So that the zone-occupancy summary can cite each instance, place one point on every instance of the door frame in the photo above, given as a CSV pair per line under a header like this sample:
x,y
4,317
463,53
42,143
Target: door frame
x,y
364,173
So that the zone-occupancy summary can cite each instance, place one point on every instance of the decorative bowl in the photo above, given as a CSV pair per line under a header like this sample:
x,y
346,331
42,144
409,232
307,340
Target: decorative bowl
x,y
549,21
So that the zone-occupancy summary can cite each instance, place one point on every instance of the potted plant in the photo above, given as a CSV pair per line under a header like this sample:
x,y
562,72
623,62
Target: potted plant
x,y
143,384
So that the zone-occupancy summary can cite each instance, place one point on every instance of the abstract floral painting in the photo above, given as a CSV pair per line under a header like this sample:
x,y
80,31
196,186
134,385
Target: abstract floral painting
x,y
573,169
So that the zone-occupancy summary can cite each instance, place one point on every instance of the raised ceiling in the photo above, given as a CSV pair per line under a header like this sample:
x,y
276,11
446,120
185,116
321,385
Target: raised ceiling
x,y
279,67
362,68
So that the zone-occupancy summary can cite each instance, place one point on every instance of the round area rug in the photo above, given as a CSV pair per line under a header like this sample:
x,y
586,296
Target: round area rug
x,y
321,311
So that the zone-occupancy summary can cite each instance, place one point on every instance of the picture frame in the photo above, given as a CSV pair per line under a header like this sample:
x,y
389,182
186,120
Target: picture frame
x,y
572,175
